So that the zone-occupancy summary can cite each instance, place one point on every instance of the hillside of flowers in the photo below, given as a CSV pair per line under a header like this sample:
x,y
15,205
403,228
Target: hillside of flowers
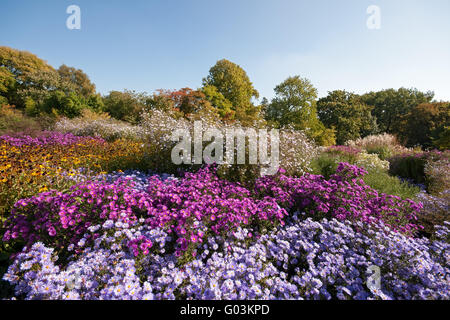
x,y
96,215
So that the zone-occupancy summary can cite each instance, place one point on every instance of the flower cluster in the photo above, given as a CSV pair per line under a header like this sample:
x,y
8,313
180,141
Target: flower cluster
x,y
305,259
378,142
344,196
189,207
30,165
108,129
47,138
371,162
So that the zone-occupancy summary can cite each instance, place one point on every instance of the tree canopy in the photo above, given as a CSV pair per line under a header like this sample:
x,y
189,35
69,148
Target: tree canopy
x,y
294,104
390,105
233,83
345,112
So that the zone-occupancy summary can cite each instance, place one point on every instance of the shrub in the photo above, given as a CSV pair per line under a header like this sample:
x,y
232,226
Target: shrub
x,y
435,211
385,145
14,121
343,196
437,175
412,166
306,259
296,150
371,162
325,164
384,183
99,125
191,209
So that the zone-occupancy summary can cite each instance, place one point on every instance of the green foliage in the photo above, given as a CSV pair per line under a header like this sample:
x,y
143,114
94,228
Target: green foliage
x,y
384,183
126,105
443,141
69,105
408,166
7,85
232,82
429,168
383,152
325,164
78,78
15,69
345,112
391,105
218,101
295,104
437,175
13,121
3,101
425,123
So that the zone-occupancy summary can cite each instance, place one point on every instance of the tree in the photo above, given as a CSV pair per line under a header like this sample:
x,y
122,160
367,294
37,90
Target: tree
x,y
232,82
295,104
187,100
78,78
391,105
126,105
345,112
219,102
425,124
15,69
7,84
443,141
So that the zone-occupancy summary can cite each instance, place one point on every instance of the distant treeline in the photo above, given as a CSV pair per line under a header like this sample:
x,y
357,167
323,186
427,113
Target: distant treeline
x,y
36,88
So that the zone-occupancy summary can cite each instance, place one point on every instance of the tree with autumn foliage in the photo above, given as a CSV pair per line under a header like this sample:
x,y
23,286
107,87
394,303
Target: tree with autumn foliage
x,y
16,68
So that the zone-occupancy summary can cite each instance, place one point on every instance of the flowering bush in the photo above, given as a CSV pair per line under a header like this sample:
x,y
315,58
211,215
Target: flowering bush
x,y
427,168
47,138
191,208
371,162
296,150
305,259
435,211
108,129
437,175
344,196
385,145
30,165
350,153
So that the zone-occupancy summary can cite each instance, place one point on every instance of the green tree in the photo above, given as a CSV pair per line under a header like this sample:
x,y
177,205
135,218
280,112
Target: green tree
x,y
126,105
78,78
347,114
7,84
443,141
16,67
425,124
391,105
232,82
223,105
295,104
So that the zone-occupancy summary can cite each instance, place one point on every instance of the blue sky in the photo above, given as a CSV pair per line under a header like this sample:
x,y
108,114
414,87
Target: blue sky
x,y
147,45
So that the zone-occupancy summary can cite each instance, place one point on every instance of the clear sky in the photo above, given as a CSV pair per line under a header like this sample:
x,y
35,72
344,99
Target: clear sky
x,y
152,44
